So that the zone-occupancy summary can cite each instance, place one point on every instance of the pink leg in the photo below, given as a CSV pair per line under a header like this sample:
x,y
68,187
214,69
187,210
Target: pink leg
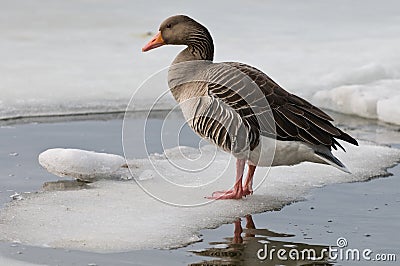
x,y
237,192
248,183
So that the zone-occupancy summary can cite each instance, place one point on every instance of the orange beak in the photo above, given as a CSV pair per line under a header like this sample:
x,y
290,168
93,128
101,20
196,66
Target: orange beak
x,y
157,41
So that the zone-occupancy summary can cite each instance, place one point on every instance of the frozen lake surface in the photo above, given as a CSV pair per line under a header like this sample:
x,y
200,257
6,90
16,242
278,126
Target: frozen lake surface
x,y
85,56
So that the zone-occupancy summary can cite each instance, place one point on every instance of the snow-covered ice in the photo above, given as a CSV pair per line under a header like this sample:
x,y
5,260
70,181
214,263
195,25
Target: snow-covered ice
x,y
389,110
115,215
368,97
61,57
84,165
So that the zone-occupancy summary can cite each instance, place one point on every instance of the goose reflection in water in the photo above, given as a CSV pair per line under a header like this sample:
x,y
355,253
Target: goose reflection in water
x,y
251,246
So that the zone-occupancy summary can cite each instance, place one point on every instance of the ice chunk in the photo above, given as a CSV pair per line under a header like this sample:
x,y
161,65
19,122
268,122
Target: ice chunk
x,y
80,164
118,215
363,100
389,109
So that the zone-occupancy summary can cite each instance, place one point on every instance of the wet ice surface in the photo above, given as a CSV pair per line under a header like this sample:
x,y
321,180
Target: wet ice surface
x,y
126,218
85,56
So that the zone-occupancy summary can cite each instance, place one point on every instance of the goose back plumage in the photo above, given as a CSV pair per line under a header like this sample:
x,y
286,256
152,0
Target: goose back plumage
x,y
295,118
247,97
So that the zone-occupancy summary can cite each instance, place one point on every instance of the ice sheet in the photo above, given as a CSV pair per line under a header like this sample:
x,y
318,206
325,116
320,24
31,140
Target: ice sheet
x,y
377,99
80,164
118,215
389,109
85,56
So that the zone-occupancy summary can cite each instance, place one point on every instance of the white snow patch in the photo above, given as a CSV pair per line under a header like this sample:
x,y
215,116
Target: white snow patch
x,y
119,216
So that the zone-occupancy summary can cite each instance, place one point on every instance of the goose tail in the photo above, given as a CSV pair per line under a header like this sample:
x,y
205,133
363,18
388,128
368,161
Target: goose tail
x,y
329,158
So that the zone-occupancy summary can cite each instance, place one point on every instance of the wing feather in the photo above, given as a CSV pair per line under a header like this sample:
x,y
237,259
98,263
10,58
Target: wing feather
x,y
295,118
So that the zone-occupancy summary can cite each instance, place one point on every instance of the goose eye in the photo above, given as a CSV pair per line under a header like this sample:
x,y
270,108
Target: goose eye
x,y
168,26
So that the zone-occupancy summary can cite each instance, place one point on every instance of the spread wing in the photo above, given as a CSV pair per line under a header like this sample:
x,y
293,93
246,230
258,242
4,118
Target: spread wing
x,y
295,119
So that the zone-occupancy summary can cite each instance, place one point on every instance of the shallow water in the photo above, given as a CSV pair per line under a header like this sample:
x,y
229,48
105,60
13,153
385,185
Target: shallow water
x,y
364,213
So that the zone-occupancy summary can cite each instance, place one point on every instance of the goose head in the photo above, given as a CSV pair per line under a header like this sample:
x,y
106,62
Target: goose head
x,y
183,30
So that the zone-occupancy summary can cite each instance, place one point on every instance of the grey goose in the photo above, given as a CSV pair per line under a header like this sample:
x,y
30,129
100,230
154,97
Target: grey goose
x,y
242,110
